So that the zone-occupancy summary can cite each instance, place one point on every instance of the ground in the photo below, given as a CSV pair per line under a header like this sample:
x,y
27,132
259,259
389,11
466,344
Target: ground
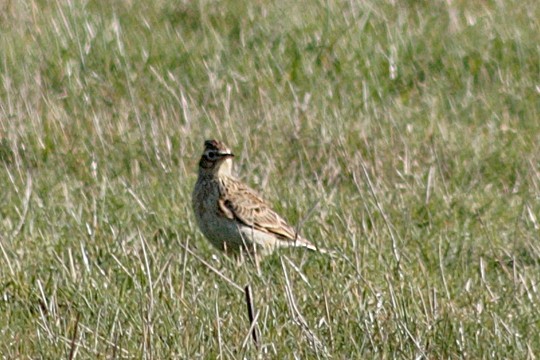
x,y
402,135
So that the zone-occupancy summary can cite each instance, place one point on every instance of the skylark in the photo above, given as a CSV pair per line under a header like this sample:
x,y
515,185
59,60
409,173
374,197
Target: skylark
x,y
231,215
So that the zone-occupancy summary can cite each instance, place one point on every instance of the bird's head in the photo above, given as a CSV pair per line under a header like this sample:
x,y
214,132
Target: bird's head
x,y
216,158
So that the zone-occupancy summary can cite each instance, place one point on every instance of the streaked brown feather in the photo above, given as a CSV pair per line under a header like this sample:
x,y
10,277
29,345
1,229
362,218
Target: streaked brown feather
x,y
225,208
249,208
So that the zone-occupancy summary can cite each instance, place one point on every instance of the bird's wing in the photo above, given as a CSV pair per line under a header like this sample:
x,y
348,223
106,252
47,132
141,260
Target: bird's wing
x,y
250,209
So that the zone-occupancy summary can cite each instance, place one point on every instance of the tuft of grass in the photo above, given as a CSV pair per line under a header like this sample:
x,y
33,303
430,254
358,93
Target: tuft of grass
x,y
402,135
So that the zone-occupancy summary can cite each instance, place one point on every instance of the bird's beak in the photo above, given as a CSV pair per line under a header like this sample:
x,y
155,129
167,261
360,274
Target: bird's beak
x,y
226,154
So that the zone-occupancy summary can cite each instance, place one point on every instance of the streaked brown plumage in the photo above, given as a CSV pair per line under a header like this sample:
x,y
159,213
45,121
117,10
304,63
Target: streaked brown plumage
x,y
233,216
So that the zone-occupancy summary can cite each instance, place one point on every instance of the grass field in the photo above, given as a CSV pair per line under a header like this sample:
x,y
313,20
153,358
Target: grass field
x,y
404,135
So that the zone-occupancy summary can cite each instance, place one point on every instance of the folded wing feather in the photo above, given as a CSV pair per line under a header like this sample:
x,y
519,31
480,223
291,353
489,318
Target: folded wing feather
x,y
253,211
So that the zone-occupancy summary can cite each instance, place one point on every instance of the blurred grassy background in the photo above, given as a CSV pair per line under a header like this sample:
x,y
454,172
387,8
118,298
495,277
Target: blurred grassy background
x,y
402,134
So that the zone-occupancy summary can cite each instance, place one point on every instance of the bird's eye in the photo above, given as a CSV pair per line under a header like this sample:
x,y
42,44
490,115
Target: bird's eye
x,y
211,155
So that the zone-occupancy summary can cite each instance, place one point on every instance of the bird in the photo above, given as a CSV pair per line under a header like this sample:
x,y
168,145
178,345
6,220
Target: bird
x,y
234,217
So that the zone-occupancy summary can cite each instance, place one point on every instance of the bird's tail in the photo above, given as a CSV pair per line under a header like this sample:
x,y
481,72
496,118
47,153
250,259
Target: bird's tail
x,y
305,243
